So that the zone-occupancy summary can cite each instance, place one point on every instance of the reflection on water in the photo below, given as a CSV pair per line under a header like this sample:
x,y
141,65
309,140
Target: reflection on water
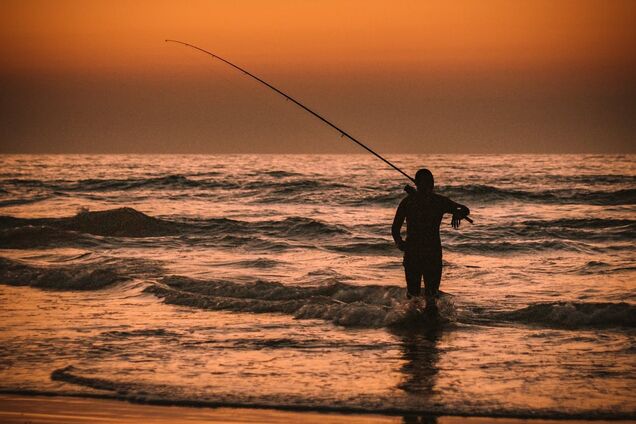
x,y
421,357
420,369
419,419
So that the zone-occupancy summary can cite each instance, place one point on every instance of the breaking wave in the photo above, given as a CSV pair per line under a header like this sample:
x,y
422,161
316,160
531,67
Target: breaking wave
x,y
93,276
342,304
66,278
371,306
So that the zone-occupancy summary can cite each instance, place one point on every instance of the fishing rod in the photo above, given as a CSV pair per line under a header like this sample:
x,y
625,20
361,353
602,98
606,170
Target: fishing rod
x,y
343,133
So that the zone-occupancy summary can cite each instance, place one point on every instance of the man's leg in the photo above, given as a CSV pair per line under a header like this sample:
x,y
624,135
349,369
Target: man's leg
x,y
413,274
413,282
432,274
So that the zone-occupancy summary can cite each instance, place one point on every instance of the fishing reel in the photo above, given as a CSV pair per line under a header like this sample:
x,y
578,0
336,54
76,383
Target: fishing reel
x,y
410,189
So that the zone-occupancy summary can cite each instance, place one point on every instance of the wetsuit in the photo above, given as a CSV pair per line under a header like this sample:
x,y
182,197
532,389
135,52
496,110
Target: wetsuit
x,y
423,247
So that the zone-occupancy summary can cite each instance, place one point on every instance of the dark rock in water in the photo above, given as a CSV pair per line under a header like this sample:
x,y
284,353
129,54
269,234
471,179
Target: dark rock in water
x,y
123,222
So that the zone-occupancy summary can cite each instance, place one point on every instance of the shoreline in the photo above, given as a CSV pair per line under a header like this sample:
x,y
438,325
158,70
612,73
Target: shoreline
x,y
52,408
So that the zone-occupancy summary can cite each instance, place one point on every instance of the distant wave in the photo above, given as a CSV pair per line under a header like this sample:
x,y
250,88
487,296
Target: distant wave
x,y
259,263
286,187
365,247
584,223
290,186
278,174
34,236
296,227
127,222
568,234
276,184
24,200
493,245
390,198
599,229
122,222
292,227
158,332
94,228
115,184
591,179
485,193
79,230
603,268
480,193
575,315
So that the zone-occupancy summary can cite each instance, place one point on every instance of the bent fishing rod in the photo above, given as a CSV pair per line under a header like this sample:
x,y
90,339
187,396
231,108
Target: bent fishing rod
x,y
343,133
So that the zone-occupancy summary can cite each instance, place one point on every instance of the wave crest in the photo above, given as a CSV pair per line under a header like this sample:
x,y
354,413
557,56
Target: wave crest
x,y
84,276
119,222
59,278
342,304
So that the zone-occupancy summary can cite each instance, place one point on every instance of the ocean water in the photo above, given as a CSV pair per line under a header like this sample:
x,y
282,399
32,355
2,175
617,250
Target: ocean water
x,y
272,280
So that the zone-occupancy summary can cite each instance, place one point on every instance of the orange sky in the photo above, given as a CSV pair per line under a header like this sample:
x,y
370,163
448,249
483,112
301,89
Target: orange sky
x,y
105,34
465,76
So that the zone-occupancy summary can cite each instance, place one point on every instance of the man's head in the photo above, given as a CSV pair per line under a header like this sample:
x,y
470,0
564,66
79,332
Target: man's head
x,y
424,180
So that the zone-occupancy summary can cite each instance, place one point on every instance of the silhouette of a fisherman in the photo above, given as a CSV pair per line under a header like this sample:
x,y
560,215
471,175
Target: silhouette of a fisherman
x,y
423,210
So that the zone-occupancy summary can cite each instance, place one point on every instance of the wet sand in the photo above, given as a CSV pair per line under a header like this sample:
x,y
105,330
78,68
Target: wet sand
x,y
44,409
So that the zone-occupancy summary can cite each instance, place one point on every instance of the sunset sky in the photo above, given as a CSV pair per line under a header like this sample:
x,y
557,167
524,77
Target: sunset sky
x,y
403,76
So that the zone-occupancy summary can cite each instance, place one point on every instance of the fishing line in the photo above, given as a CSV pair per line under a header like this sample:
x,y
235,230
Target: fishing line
x,y
342,132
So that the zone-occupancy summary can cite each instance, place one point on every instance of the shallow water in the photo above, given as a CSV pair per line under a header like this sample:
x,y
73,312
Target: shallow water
x,y
272,280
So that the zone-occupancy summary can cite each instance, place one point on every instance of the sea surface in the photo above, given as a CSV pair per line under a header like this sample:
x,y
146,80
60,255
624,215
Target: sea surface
x,y
272,281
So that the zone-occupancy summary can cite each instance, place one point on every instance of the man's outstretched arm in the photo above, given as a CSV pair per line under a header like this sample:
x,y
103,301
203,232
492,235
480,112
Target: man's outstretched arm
x,y
396,228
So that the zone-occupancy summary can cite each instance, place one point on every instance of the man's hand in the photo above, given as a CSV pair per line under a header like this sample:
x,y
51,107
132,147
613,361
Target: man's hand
x,y
456,221
459,212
